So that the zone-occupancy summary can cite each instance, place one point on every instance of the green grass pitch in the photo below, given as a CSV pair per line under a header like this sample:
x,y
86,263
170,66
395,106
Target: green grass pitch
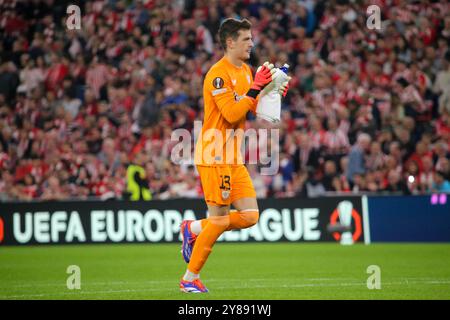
x,y
234,271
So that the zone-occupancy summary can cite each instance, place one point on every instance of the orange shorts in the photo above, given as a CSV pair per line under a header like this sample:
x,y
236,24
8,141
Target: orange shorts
x,y
222,185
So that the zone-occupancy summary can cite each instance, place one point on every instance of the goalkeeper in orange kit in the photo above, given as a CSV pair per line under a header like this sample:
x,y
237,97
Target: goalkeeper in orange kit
x,y
229,92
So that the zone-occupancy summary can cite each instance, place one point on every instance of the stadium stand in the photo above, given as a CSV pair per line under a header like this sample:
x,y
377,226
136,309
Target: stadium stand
x,y
367,111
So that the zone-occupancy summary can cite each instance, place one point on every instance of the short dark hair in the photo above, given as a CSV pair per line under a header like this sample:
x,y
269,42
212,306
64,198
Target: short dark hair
x,y
230,28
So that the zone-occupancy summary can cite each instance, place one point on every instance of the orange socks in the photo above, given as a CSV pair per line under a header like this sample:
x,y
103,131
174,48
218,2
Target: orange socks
x,y
205,241
239,219
212,228
243,219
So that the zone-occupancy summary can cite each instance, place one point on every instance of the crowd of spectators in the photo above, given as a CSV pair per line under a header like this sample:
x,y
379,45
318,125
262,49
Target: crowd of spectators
x,y
367,111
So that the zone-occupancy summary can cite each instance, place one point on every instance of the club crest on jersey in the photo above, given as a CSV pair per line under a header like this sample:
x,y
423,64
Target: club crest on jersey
x,y
225,194
237,97
218,82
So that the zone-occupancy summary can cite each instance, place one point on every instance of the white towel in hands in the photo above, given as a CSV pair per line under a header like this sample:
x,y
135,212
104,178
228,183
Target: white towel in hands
x,y
269,104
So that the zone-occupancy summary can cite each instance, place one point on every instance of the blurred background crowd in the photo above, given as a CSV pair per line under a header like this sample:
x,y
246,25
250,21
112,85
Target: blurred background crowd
x,y
89,113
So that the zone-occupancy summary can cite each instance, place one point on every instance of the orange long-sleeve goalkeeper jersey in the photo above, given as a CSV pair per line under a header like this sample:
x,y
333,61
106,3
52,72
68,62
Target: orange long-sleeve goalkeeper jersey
x,y
226,106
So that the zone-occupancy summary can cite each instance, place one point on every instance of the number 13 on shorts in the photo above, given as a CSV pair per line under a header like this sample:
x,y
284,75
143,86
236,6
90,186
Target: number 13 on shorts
x,y
225,182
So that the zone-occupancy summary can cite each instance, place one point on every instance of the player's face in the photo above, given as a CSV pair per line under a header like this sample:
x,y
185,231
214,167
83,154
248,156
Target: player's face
x,y
244,44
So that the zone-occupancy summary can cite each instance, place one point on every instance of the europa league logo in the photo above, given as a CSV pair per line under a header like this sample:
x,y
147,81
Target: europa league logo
x,y
345,209
349,227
